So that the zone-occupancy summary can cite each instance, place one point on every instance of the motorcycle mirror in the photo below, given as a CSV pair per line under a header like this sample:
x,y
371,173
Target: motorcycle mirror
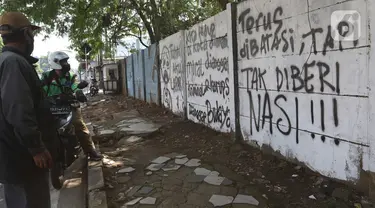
x,y
83,84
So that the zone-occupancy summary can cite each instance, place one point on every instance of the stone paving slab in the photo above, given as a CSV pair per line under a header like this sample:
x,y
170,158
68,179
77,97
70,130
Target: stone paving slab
x,y
173,179
95,178
198,187
95,181
97,199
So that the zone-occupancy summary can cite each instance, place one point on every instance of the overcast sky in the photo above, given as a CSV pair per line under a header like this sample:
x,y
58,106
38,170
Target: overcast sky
x,y
55,43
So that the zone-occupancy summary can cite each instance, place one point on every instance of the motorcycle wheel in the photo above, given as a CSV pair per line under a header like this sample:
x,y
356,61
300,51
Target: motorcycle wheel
x,y
93,91
57,175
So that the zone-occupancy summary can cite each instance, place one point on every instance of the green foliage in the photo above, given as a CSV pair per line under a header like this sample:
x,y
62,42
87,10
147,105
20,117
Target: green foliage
x,y
38,69
104,23
43,63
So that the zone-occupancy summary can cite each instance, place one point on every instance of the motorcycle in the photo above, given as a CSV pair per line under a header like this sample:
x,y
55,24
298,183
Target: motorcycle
x,y
68,148
94,89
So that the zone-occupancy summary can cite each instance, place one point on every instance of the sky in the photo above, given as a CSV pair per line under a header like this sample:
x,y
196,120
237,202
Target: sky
x,y
54,43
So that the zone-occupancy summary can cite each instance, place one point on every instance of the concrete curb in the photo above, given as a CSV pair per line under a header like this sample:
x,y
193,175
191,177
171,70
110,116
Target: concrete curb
x,y
97,197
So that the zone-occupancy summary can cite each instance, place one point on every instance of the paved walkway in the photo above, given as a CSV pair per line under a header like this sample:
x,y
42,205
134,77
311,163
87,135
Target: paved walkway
x,y
139,175
174,180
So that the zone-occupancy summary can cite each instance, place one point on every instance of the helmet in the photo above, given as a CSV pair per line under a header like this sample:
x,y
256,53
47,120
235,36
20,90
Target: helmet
x,y
55,58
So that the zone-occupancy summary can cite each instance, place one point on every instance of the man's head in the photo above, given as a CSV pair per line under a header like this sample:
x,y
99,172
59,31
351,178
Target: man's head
x,y
58,61
17,30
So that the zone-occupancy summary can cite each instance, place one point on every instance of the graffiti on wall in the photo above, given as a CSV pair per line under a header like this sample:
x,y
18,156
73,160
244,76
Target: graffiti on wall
x,y
207,74
303,92
172,77
276,90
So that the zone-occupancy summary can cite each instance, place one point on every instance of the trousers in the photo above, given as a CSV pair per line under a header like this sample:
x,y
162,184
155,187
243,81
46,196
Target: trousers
x,y
82,132
32,194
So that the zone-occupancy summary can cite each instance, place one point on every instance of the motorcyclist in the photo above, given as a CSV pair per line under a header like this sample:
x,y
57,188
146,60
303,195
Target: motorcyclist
x,y
93,86
60,82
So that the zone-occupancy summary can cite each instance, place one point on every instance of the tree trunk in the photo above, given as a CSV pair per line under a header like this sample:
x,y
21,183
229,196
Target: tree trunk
x,y
157,20
145,21
223,4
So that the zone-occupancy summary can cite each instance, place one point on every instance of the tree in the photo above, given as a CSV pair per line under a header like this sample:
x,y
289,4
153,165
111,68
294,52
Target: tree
x,y
104,23
38,69
43,63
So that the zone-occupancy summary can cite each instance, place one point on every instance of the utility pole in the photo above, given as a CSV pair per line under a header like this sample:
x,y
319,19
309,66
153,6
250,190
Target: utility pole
x,y
86,62
86,48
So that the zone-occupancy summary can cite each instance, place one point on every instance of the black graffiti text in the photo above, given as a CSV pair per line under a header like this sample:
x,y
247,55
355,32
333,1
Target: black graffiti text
x,y
218,114
263,108
175,51
198,114
270,41
167,98
194,68
207,30
267,42
303,77
201,34
255,78
215,86
328,43
219,64
221,42
197,90
218,86
177,68
176,84
248,22
297,78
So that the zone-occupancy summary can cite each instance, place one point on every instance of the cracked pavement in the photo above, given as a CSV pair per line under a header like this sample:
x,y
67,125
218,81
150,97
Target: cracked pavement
x,y
181,188
190,183
255,178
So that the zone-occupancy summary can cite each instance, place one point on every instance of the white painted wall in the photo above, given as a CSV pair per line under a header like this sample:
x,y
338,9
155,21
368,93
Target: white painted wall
x,y
208,73
317,124
312,99
369,153
172,73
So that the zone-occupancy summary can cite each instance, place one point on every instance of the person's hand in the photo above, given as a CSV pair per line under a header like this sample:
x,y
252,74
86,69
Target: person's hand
x,y
43,160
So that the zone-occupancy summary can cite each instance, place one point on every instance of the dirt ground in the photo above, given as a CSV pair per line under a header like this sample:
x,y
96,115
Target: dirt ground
x,y
277,182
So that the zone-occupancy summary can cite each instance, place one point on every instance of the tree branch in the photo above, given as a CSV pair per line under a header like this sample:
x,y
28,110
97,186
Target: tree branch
x,y
145,22
88,6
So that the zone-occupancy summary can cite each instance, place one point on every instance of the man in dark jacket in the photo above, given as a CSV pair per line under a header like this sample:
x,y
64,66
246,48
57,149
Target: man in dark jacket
x,y
24,159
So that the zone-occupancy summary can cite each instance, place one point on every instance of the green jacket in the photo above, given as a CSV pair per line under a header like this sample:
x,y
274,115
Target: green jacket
x,y
54,85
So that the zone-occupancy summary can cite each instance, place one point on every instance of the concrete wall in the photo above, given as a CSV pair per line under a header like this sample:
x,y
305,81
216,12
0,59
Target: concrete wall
x,y
139,75
208,73
122,74
294,88
172,73
369,163
301,93
130,76
151,74
142,80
